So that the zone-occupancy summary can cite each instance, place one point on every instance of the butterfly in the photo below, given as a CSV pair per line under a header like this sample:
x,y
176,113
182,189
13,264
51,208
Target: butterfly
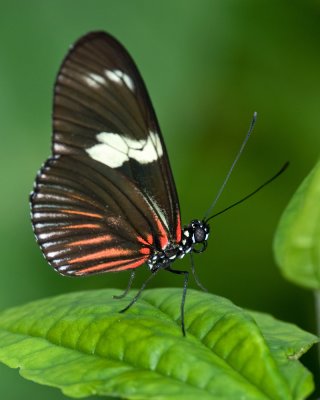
x,y
106,200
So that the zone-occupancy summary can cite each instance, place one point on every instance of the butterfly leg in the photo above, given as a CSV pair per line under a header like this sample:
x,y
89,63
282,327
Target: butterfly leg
x,y
121,296
184,293
196,278
140,291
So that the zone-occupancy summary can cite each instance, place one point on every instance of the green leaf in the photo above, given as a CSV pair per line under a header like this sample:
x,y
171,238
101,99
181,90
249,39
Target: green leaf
x,y
287,344
80,343
297,241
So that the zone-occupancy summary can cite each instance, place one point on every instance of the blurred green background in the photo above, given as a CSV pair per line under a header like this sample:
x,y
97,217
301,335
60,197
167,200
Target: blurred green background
x,y
208,66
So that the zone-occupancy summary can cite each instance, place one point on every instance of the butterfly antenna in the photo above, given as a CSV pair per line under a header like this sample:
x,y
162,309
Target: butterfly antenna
x,y
243,145
283,168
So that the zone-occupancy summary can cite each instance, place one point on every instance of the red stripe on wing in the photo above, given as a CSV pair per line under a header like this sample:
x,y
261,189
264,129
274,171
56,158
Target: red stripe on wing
x,y
163,238
178,229
95,240
106,253
104,267
132,265
82,226
145,250
83,213
148,241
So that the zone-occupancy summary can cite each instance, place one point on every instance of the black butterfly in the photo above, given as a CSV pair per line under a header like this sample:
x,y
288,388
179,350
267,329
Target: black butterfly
x,y
106,199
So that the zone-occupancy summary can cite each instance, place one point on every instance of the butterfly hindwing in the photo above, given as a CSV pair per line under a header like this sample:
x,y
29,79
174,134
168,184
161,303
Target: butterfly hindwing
x,y
80,226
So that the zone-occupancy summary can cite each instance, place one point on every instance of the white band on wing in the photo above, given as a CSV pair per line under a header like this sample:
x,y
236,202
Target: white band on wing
x,y
114,150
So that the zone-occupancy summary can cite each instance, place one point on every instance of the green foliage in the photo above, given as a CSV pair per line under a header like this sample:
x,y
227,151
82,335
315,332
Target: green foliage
x,y
297,242
207,65
80,343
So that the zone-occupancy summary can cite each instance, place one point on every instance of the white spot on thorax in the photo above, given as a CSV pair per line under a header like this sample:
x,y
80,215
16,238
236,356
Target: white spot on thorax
x,y
120,77
114,150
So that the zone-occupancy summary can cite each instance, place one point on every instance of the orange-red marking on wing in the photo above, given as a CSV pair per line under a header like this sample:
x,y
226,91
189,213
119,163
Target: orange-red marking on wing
x,y
143,241
178,230
95,240
132,264
144,250
109,265
85,214
163,238
83,199
82,226
106,253
149,238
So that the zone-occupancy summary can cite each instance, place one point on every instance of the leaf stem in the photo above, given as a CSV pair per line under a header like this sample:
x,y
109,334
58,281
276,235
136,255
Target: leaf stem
x,y
317,311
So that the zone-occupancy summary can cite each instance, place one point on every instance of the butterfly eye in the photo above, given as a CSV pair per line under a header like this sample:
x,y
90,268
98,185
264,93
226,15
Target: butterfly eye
x,y
199,234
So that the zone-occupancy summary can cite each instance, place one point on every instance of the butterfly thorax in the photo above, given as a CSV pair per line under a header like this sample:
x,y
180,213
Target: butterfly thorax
x,y
193,238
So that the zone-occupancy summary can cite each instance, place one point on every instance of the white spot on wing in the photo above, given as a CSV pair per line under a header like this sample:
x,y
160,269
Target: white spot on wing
x,y
111,151
113,76
120,77
53,254
113,140
128,81
94,80
114,150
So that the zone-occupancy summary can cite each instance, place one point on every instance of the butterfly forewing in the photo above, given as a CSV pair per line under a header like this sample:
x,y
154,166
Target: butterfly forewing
x,y
106,198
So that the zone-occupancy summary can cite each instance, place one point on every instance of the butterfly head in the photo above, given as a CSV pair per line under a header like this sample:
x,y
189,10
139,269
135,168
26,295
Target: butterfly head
x,y
195,236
